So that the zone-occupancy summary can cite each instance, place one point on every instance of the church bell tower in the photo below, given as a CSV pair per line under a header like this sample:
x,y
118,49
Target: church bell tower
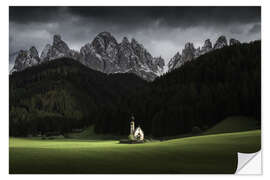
x,y
132,125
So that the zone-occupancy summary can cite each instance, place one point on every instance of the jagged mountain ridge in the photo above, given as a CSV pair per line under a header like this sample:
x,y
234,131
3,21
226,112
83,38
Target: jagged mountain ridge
x,y
190,52
201,88
104,54
25,59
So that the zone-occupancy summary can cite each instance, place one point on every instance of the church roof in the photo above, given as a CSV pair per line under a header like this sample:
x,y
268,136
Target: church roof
x,y
138,128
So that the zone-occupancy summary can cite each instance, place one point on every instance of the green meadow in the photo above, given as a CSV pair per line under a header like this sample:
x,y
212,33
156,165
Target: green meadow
x,y
200,154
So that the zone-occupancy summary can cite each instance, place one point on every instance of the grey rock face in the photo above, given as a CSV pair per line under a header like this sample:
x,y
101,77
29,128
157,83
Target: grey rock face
x,y
234,42
34,52
126,56
105,54
45,52
106,45
59,46
157,65
189,52
206,47
159,61
25,59
101,54
90,58
175,61
221,42
50,52
58,49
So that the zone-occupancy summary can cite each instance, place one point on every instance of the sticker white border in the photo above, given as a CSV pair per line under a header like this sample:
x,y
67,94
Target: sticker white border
x,y
249,163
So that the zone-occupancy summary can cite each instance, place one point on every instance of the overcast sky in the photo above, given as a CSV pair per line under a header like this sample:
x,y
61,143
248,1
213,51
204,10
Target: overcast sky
x,y
162,30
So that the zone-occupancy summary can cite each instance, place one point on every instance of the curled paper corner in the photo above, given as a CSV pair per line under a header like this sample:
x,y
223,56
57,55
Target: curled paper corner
x,y
249,163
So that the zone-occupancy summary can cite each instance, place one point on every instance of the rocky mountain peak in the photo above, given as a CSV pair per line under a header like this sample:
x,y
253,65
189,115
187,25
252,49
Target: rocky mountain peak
x,y
86,48
189,46
105,34
105,44
157,65
104,38
25,59
173,61
59,48
135,44
45,51
159,61
125,45
134,41
59,44
104,54
207,43
143,55
221,42
207,46
34,52
56,39
125,40
189,52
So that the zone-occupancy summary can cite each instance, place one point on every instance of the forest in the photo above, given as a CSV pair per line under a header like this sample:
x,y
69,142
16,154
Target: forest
x,y
62,95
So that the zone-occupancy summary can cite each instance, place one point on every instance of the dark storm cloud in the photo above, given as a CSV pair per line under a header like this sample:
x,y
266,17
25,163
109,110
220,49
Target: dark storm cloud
x,y
169,16
162,30
33,14
173,16
256,28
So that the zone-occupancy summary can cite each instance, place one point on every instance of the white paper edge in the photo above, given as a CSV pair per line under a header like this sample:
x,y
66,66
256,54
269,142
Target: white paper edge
x,y
249,163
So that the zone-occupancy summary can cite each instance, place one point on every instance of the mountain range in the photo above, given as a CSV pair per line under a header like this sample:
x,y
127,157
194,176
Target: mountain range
x,y
106,55
190,52
62,95
103,54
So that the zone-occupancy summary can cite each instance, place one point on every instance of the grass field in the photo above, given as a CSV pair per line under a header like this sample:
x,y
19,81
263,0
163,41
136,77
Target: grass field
x,y
200,154
90,134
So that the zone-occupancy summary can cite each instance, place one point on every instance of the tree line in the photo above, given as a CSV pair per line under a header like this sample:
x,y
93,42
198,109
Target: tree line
x,y
62,95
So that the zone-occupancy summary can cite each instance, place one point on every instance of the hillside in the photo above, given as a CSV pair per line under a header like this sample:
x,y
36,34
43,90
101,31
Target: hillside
x,y
61,95
233,124
202,92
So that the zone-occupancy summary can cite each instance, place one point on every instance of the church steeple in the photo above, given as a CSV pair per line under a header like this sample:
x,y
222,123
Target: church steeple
x,y
132,125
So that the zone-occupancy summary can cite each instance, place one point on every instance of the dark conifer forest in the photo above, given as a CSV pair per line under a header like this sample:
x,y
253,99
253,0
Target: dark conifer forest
x,y
62,95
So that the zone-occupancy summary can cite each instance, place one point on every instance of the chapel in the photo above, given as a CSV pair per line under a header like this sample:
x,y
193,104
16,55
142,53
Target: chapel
x,y
138,132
